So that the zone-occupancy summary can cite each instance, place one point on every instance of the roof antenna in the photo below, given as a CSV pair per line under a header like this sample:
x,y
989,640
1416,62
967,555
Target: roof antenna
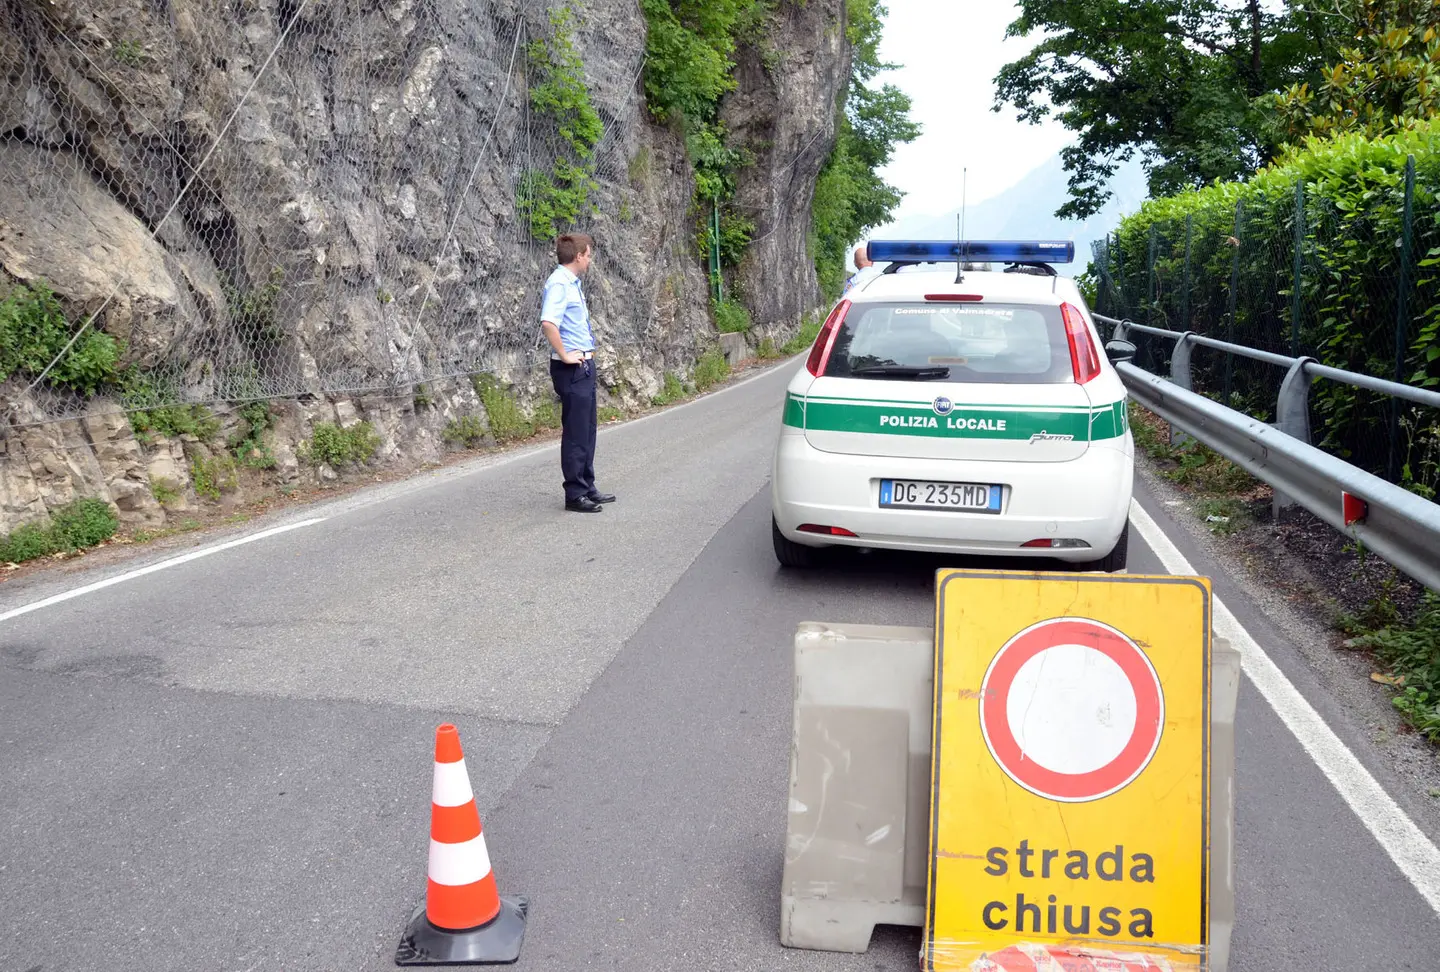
x,y
960,231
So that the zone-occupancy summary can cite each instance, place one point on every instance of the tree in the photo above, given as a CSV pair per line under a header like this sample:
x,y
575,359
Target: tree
x,y
1386,78
1178,81
850,197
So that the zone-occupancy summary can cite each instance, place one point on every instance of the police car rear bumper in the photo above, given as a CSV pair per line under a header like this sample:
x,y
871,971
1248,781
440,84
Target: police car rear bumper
x,y
1086,499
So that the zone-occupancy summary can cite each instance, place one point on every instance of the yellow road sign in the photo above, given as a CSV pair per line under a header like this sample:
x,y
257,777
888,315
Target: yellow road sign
x,y
1070,803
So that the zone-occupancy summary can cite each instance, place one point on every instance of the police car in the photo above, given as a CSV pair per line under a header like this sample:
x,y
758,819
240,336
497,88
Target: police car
x,y
960,411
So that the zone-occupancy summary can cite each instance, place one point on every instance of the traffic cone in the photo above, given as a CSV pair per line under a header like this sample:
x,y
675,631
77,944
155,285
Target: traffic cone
x,y
463,920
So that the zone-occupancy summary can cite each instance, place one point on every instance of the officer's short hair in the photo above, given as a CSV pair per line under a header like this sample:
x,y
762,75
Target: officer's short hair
x,y
571,245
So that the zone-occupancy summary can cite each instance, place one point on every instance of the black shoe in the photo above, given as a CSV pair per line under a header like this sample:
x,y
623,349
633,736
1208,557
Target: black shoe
x,y
583,505
602,497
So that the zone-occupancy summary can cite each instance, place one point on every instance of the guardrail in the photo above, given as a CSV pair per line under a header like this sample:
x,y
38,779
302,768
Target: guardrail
x,y
1400,526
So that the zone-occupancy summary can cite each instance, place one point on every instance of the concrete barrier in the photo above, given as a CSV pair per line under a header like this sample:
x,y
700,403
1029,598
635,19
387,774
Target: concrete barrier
x,y
857,836
735,347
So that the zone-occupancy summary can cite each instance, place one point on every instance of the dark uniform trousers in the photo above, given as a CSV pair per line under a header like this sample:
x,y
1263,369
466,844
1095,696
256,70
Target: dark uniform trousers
x,y
575,384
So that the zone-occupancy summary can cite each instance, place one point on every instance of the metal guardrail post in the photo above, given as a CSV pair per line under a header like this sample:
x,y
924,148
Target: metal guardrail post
x,y
1180,375
1292,416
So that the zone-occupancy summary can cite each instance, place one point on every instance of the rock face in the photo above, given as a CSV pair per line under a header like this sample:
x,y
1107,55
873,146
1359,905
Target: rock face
x,y
784,112
321,204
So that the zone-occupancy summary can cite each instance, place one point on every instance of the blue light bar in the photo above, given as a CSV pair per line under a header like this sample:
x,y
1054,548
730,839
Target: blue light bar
x,y
976,251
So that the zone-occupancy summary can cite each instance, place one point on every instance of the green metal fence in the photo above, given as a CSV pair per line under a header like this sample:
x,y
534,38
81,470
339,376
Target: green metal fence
x,y
1355,288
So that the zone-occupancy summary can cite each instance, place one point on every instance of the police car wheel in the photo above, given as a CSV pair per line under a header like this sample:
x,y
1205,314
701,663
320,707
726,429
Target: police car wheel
x,y
789,553
1115,559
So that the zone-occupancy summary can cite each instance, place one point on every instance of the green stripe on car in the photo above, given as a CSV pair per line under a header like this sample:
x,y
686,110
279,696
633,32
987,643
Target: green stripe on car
x,y
962,421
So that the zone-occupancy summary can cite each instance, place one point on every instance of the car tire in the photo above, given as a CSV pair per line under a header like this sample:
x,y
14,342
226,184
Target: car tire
x,y
1114,561
790,553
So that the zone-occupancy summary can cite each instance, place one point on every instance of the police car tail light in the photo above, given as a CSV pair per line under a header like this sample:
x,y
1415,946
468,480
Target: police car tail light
x,y
1056,542
829,531
825,340
954,297
1083,356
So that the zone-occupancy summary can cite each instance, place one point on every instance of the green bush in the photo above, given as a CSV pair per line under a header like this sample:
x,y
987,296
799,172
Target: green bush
x,y
711,369
507,422
467,431
83,523
175,420
1353,191
247,444
555,200
331,445
731,317
34,331
74,526
213,476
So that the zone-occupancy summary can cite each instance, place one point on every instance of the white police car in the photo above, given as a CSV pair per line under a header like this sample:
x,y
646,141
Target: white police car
x,y
971,417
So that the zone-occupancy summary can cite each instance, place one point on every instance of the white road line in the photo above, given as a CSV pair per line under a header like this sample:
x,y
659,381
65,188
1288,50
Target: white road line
x,y
1407,845
172,562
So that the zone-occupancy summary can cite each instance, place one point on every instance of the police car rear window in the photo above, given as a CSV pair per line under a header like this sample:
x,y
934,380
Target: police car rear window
x,y
981,342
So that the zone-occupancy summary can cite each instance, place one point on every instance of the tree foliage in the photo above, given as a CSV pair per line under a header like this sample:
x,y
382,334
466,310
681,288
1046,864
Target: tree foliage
x,y
1180,82
1386,78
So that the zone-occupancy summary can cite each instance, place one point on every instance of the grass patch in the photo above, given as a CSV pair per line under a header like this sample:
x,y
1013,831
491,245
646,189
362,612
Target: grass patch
x,y
1190,464
672,391
1410,651
74,526
165,491
331,445
146,536
609,413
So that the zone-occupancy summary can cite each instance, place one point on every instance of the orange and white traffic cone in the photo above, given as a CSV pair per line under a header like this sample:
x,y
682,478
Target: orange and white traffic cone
x,y
463,921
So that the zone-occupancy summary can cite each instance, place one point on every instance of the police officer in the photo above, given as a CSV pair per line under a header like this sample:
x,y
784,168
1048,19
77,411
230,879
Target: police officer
x,y
864,268
566,322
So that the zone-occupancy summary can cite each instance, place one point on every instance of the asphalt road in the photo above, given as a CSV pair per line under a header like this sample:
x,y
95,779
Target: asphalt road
x,y
225,764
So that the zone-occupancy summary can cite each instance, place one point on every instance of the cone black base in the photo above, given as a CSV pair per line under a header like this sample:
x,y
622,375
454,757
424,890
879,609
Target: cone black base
x,y
497,943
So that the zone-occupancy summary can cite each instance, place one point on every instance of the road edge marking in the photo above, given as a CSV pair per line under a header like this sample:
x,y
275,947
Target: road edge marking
x,y
152,568
1406,844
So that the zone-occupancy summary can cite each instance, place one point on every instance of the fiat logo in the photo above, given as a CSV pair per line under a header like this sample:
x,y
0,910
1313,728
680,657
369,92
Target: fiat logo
x,y
942,405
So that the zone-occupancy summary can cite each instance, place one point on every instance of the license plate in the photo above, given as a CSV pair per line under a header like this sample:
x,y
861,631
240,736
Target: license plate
x,y
911,494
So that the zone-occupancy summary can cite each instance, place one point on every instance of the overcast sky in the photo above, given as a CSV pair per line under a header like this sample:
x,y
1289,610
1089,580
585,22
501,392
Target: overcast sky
x,y
949,52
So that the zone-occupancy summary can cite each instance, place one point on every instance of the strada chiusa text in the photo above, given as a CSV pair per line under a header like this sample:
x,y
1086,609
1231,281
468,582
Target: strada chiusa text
x,y
1049,916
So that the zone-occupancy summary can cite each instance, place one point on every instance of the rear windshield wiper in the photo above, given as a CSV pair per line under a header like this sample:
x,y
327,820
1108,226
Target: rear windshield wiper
x,y
900,371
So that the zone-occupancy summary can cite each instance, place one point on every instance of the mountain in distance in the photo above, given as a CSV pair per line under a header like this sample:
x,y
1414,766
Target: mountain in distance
x,y
1026,211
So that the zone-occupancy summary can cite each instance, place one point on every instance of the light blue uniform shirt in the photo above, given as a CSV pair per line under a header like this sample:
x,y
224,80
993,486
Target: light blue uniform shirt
x,y
563,304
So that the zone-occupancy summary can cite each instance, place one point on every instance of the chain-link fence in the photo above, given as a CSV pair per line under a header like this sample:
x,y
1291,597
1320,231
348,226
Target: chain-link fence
x,y
229,200
1300,274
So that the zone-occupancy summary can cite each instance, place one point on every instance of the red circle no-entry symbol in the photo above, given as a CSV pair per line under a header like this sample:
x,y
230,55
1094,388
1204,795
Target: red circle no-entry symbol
x,y
1071,709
